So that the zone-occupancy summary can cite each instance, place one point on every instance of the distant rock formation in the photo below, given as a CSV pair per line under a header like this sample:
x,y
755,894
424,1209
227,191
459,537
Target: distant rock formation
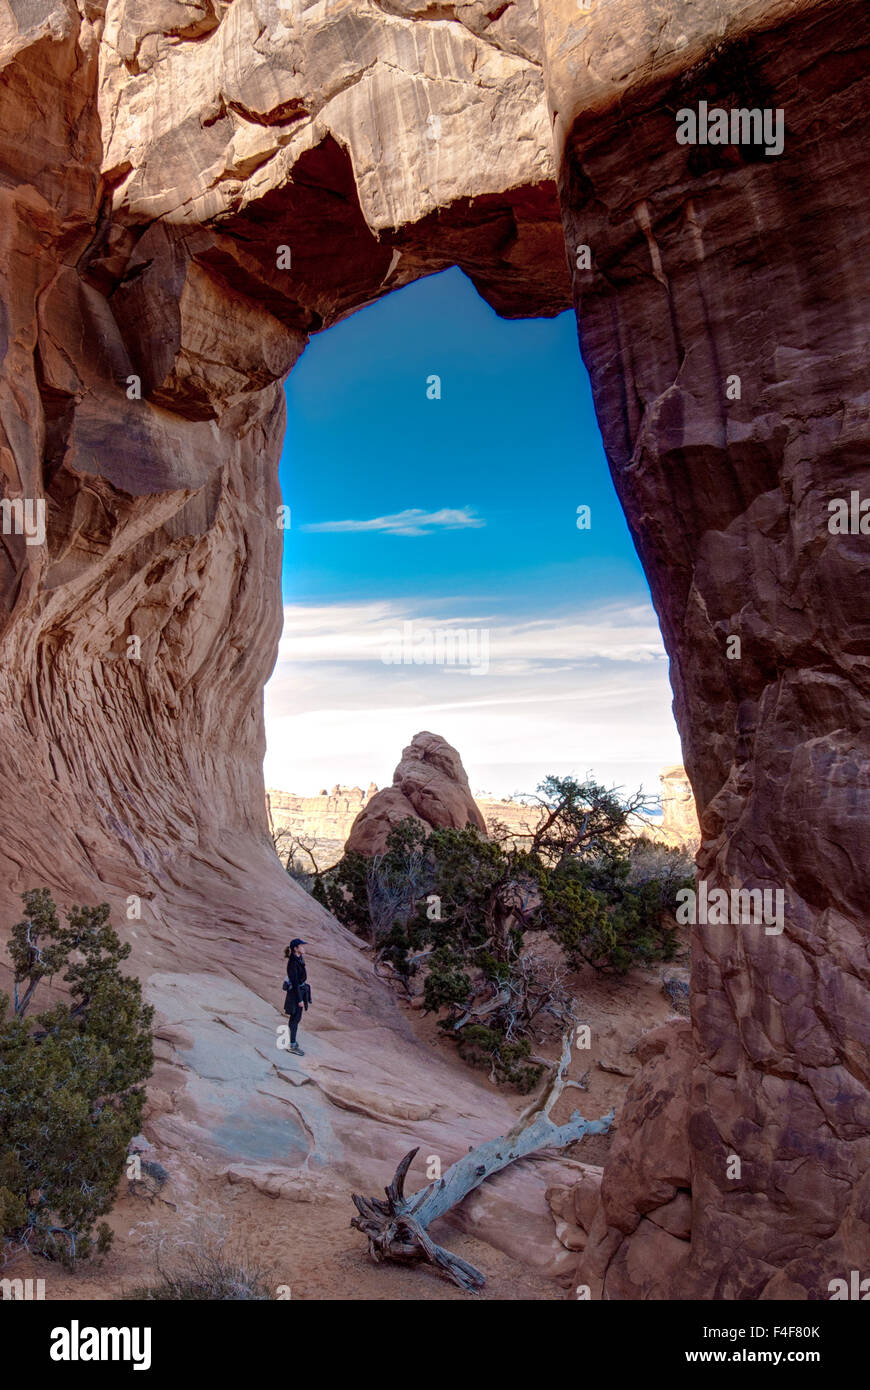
x,y
328,816
326,821
516,817
429,784
679,825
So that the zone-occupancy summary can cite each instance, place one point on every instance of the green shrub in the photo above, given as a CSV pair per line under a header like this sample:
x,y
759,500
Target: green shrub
x,y
616,910
446,982
480,1046
71,1077
342,891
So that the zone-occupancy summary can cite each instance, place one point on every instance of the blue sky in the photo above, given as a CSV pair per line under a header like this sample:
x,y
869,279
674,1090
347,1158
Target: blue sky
x,y
457,515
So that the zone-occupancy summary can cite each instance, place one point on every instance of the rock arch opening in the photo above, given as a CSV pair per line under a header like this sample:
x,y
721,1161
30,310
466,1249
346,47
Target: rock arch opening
x,y
454,554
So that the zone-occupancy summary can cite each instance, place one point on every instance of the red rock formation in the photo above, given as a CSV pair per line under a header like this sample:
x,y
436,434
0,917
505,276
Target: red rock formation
x,y
639,1236
710,263
154,174
679,824
429,785
328,818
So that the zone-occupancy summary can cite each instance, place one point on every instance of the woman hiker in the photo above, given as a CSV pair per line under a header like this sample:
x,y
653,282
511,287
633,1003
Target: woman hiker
x,y
297,992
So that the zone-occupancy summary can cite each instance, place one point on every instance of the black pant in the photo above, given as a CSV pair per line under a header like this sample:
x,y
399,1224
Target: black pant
x,y
294,1020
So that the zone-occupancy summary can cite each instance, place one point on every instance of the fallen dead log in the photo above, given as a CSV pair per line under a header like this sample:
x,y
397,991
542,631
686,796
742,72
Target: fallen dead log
x,y
397,1228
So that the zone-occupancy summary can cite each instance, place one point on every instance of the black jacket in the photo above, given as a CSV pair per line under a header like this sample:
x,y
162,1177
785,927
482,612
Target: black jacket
x,y
296,994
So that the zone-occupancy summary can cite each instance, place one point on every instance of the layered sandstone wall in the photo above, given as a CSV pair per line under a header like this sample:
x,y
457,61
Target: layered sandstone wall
x,y
187,192
679,823
154,160
710,263
328,816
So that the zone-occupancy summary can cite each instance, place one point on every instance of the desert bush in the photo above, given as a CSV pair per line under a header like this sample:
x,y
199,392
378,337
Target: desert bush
x,y
447,983
71,1077
481,1046
382,896
580,820
150,1180
580,875
198,1262
678,992
653,862
615,910
296,854
342,890
398,880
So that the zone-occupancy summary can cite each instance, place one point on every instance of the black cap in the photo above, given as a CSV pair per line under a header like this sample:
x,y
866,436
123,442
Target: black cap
x,y
297,941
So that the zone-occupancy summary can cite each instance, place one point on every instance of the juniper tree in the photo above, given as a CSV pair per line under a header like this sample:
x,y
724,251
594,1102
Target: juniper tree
x,y
615,909
71,1077
579,873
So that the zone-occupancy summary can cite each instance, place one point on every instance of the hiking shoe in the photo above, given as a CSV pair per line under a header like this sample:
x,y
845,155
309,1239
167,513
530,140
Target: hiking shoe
x,y
298,1050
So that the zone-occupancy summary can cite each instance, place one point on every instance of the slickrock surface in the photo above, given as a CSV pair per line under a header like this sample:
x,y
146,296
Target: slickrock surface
x,y
154,161
429,785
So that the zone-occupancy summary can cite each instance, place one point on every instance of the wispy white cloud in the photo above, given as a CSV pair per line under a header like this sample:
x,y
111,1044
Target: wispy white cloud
x,y
354,632
561,692
412,522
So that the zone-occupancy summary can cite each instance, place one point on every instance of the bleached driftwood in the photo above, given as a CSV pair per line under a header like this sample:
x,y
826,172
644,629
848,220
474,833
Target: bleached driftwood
x,y
397,1229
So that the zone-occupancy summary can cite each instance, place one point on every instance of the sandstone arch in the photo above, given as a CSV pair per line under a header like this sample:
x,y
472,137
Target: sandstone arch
x,y
153,159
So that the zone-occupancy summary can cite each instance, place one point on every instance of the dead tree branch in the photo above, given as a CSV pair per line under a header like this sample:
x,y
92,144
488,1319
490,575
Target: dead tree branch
x,y
397,1229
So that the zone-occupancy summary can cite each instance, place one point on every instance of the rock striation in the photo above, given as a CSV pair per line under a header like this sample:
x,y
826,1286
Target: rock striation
x,y
187,192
